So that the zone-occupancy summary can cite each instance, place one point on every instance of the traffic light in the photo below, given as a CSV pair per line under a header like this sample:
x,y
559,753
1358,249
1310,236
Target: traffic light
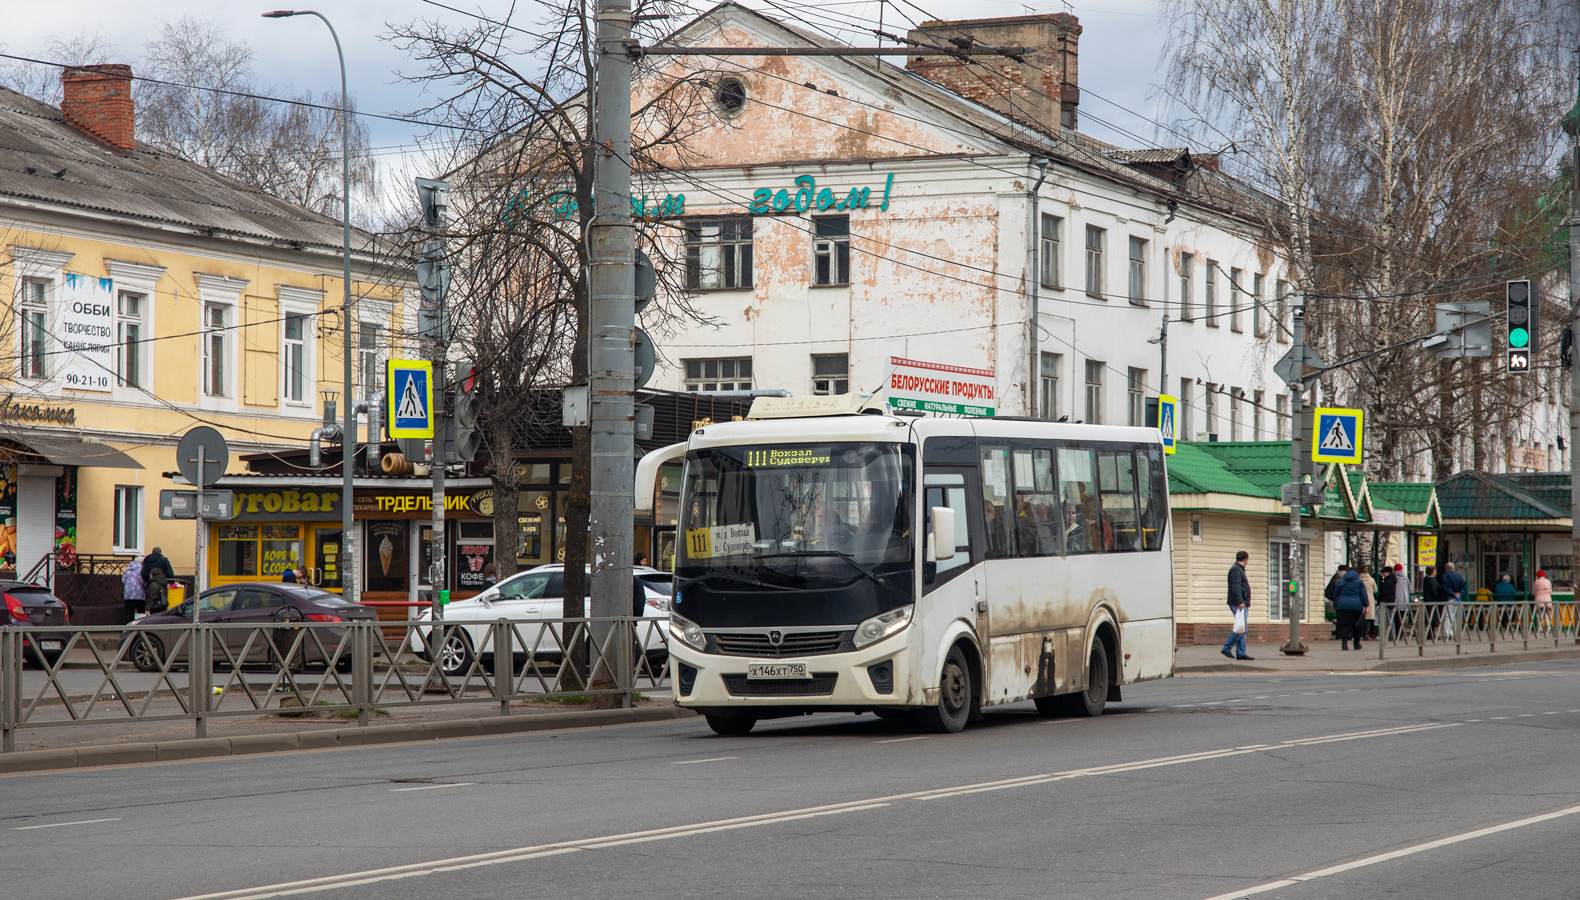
x,y
1522,324
463,415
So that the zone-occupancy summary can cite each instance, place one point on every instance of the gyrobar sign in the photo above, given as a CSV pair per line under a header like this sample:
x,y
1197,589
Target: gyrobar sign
x,y
87,333
935,387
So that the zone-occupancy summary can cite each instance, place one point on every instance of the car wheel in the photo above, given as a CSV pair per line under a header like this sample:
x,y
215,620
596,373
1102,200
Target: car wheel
x,y
455,656
732,725
955,693
148,654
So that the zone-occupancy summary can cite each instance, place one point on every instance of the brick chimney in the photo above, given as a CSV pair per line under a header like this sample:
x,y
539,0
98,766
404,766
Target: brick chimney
x,y
98,103
1043,91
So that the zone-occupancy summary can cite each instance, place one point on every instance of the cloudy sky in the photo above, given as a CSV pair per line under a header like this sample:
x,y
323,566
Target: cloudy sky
x,y
1121,47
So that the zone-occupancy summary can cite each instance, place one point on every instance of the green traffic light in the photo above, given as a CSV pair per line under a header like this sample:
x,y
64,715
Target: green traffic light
x,y
1519,337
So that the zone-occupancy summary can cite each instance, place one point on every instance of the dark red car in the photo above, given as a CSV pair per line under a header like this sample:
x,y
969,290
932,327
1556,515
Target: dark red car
x,y
252,603
33,604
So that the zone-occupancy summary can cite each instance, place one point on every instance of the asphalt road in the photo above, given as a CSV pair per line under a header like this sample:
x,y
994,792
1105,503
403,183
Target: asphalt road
x,y
1461,784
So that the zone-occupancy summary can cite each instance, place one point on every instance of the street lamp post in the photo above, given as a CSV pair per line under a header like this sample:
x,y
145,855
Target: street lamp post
x,y
348,438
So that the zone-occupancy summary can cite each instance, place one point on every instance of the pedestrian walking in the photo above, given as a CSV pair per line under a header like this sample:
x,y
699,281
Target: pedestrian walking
x,y
1434,599
1330,611
1401,596
1385,591
132,593
1455,587
1240,605
1352,600
157,575
1542,590
1371,592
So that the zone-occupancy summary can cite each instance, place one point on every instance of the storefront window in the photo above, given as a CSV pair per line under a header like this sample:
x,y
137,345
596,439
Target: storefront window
x,y
282,549
238,551
536,507
473,552
387,560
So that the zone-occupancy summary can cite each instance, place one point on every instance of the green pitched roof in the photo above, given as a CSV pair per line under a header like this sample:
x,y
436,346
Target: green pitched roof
x,y
1402,495
1478,495
1193,470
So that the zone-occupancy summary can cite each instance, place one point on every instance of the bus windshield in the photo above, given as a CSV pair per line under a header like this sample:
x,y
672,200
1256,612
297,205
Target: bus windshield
x,y
797,516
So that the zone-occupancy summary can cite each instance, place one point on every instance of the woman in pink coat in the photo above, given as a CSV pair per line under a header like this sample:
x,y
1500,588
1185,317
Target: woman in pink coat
x,y
1542,590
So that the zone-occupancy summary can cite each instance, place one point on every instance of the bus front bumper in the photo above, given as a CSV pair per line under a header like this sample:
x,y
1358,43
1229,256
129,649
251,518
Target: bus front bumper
x,y
878,675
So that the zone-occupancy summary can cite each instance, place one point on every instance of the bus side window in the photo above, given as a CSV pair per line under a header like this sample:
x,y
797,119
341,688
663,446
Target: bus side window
x,y
948,489
1154,496
1078,500
1037,520
1121,529
997,512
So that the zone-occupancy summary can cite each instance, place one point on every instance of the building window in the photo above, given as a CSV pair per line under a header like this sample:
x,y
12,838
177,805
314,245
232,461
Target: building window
x,y
1138,270
1257,400
35,313
1187,292
1258,317
1094,392
1184,427
1094,260
1048,401
1212,293
1279,598
1281,415
128,526
1212,412
1281,310
295,358
1136,397
830,374
831,250
368,359
1236,300
215,370
719,374
1048,253
1235,396
128,337
719,254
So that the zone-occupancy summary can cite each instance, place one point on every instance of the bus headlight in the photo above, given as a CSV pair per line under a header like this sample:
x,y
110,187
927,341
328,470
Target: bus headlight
x,y
879,627
687,631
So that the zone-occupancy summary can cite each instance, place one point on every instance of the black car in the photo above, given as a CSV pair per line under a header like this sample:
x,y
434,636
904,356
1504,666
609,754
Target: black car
x,y
34,605
252,603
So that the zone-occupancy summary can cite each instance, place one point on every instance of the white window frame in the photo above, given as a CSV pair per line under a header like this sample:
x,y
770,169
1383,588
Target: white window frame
x,y
1138,270
1281,415
223,292
1052,238
33,326
32,264
1281,310
830,384
1187,287
1210,293
1184,429
1236,323
1093,408
376,314
129,508
736,381
297,301
1210,407
830,252
1258,400
1094,260
1136,396
1048,405
135,278
1235,396
1258,315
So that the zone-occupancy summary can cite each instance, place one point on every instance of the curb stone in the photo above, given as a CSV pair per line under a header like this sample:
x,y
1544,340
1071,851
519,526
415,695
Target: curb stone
x,y
246,745
1393,664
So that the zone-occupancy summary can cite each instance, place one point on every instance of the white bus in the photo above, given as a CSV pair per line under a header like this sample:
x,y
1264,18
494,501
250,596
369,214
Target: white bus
x,y
833,557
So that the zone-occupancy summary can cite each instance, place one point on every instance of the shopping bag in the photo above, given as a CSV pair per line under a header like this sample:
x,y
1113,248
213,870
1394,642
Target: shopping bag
x,y
1239,621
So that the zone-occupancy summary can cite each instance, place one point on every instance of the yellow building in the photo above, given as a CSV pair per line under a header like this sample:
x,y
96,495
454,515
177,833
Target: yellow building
x,y
149,295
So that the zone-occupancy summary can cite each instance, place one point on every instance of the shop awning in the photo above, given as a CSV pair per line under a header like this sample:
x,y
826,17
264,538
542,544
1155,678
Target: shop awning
x,y
63,451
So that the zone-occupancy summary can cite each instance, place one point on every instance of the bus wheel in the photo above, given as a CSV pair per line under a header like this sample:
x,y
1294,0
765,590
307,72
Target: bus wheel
x,y
953,708
1089,702
732,725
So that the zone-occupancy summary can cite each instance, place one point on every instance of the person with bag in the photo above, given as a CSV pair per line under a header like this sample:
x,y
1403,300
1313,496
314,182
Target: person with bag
x,y
132,589
1330,612
157,575
1351,602
1371,604
1240,603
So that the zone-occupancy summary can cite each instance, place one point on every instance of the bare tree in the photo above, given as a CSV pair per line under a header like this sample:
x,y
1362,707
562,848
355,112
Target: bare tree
x,y
42,82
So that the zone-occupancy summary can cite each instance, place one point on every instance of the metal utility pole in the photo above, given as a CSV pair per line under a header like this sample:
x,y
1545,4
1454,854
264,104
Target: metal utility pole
x,y
1297,458
612,318
433,279
1574,339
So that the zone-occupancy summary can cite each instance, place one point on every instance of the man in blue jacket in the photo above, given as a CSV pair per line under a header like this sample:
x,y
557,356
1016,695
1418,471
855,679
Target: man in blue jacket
x,y
1239,598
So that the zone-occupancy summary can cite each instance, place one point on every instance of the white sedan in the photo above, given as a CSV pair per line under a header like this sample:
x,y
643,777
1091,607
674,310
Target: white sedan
x,y
538,594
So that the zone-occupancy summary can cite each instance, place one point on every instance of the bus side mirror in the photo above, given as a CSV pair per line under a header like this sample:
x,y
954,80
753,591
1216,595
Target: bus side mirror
x,y
647,474
943,536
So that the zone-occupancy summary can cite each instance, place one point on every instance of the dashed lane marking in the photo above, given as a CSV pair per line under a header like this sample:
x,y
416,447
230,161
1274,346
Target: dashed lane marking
x,y
692,762
919,737
64,824
433,787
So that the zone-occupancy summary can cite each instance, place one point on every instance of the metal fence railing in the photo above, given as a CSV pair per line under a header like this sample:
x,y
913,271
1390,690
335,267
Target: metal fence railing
x,y
1472,623
210,671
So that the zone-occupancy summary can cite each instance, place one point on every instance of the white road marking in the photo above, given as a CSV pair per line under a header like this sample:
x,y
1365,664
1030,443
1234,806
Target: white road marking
x,y
1397,854
517,854
1472,720
919,737
690,762
430,787
1526,715
64,824
1551,713
1497,718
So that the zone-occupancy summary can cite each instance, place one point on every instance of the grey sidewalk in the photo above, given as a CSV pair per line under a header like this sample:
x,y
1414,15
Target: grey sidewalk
x,y
1325,656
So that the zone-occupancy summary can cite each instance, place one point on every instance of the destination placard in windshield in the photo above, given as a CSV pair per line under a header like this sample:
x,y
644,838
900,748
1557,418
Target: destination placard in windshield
x,y
775,457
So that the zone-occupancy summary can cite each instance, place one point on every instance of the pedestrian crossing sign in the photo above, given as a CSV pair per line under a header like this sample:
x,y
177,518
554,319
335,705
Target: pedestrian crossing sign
x,y
1337,435
1168,408
410,393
